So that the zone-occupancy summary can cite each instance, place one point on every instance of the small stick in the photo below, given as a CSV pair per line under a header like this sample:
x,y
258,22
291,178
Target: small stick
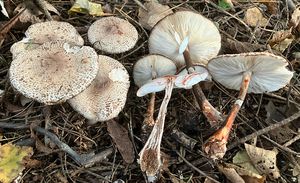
x,y
43,6
265,130
290,142
195,168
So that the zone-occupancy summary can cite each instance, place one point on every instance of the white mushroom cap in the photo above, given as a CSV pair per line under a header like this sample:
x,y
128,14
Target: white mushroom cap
x,y
53,31
150,67
21,46
106,96
198,68
199,33
54,72
269,72
112,35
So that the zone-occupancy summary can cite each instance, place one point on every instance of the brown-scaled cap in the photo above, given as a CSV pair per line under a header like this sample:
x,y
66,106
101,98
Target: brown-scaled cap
x,y
112,35
150,67
54,72
268,71
106,96
200,36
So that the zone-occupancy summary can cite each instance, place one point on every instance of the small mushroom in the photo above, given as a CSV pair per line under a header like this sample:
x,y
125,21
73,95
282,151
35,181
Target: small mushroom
x,y
112,35
188,38
40,33
148,68
106,96
54,72
249,73
150,159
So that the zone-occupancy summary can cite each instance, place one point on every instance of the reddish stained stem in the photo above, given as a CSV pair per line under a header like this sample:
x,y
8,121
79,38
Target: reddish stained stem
x,y
213,116
215,147
149,121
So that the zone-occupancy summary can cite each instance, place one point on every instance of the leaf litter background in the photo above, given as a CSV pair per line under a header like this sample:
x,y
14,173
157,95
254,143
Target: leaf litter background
x,y
245,26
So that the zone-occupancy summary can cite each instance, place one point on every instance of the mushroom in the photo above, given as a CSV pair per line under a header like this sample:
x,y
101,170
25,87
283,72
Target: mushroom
x,y
40,33
188,38
148,68
54,72
106,96
249,73
154,13
112,35
150,159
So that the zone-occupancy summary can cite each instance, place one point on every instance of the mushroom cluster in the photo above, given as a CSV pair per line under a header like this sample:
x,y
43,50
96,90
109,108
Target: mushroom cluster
x,y
51,65
192,43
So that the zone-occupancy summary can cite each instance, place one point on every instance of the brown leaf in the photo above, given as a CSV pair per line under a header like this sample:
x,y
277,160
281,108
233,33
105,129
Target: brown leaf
x,y
253,17
281,40
119,134
32,12
263,160
230,46
230,174
272,6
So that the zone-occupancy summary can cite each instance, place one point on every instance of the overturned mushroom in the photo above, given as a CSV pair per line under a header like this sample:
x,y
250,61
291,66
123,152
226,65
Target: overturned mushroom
x,y
54,72
150,159
249,73
106,96
148,68
40,33
188,38
112,35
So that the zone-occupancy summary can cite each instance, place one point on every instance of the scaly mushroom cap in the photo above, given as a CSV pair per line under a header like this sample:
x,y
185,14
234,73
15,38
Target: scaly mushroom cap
x,y
106,96
54,72
53,31
112,35
204,40
150,67
269,72
40,33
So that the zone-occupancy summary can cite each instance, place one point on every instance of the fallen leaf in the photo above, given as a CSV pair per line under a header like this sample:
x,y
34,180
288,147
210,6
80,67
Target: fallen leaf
x,y
296,169
230,46
295,20
254,17
12,161
263,160
243,160
155,13
281,40
32,12
3,11
86,7
119,134
275,114
272,6
225,4
230,174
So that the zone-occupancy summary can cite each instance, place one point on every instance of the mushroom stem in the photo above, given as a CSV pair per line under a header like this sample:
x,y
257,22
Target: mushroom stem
x,y
215,146
150,160
213,116
149,121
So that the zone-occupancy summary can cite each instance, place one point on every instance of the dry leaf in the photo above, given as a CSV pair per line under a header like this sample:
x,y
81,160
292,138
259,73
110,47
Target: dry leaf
x,y
119,134
253,17
32,12
86,7
12,161
263,160
230,46
155,13
296,169
281,40
272,6
243,160
230,174
295,20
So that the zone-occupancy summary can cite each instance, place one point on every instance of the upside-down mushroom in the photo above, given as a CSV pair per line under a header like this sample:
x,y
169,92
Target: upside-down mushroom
x,y
148,68
248,73
188,38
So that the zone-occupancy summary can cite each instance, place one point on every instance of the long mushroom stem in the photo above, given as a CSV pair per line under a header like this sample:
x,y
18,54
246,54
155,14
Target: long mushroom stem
x,y
149,121
150,160
215,146
213,116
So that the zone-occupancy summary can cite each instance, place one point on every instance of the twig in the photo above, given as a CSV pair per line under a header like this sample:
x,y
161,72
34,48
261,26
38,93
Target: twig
x,y
290,142
43,6
83,160
195,168
281,146
140,4
265,130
